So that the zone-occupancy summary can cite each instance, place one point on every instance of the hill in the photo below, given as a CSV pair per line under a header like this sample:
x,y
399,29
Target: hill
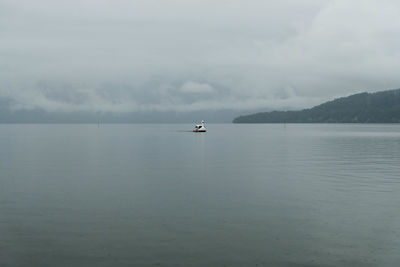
x,y
379,107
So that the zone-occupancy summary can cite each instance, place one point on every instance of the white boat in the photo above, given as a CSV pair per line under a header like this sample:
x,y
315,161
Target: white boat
x,y
200,128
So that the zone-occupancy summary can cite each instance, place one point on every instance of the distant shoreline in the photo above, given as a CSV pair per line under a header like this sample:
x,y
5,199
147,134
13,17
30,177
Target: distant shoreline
x,y
380,107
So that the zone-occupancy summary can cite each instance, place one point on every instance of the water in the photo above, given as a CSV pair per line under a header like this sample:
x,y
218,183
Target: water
x,y
238,195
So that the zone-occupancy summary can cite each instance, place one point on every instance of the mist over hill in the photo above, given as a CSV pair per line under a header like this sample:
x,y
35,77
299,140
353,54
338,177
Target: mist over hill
x,y
379,107
9,114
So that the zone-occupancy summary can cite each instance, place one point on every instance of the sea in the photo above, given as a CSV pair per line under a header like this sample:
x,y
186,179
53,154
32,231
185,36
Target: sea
x,y
237,195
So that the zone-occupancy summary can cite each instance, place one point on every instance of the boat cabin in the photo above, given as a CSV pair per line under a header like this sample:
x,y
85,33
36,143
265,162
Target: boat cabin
x,y
200,127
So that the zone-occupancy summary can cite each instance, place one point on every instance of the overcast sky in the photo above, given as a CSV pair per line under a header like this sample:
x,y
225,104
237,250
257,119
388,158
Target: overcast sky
x,y
188,55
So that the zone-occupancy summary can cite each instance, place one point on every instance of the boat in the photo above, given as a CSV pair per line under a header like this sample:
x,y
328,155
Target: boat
x,y
200,128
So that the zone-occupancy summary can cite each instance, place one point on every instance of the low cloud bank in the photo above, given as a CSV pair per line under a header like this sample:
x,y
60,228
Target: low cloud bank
x,y
186,96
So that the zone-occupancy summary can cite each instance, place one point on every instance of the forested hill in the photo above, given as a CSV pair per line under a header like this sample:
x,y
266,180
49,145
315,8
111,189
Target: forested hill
x,y
380,107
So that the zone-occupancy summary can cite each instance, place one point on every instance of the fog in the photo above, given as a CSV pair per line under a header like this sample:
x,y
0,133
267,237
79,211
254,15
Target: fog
x,y
149,56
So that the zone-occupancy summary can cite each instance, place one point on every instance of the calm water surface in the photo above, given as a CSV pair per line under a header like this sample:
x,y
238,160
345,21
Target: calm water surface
x,y
238,195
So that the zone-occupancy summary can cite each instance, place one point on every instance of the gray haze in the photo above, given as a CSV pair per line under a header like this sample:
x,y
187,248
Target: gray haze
x,y
121,56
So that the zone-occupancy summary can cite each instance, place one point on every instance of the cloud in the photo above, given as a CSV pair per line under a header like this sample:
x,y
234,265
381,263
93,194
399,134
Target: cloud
x,y
124,56
196,88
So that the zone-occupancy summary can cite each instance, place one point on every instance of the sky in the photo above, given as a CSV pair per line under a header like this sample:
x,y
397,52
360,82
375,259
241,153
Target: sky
x,y
194,55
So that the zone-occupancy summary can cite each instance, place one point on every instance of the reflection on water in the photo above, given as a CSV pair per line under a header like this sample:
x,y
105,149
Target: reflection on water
x,y
238,195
